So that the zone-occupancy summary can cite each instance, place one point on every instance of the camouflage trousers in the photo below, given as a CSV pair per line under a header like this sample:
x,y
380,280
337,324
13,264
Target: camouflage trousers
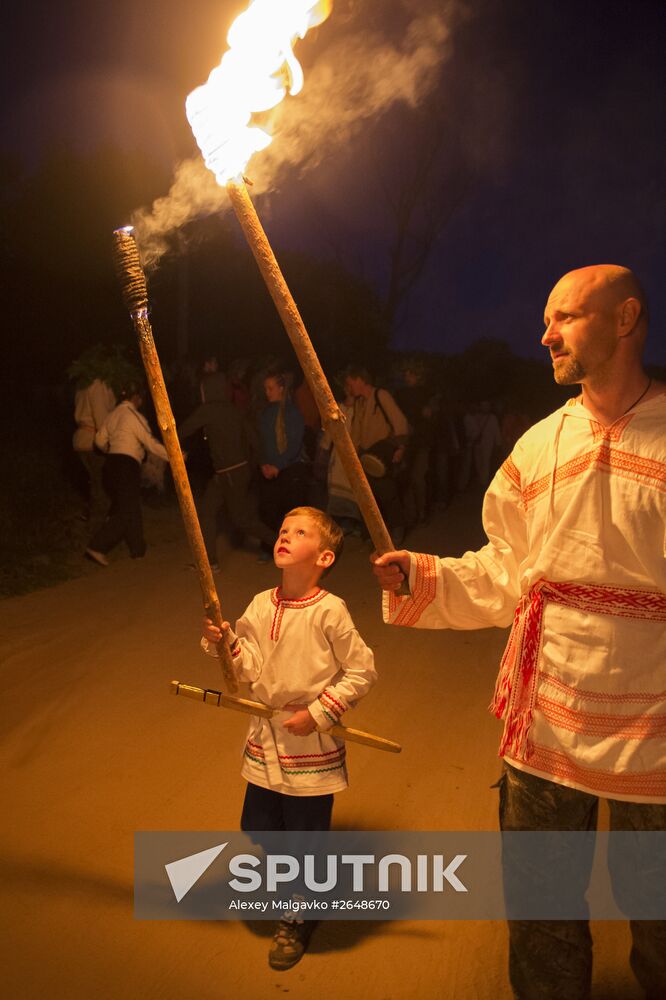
x,y
552,959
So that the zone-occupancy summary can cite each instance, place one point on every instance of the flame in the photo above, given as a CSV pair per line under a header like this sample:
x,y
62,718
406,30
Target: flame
x,y
255,74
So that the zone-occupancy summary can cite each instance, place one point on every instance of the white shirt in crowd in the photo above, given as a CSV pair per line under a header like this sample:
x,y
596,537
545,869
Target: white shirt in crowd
x,y
126,432
92,406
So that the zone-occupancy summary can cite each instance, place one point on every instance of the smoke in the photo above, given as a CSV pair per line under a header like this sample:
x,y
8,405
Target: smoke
x,y
359,76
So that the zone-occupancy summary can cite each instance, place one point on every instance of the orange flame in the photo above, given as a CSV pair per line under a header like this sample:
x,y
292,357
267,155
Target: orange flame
x,y
255,73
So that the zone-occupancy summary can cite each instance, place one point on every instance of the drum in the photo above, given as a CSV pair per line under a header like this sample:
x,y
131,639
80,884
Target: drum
x,y
377,461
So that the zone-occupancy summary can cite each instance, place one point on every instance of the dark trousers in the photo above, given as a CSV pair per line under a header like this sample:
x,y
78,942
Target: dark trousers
x,y
122,481
552,959
264,809
291,488
93,463
230,492
388,501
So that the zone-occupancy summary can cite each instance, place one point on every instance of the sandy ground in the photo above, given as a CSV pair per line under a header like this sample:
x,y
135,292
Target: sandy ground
x,y
95,748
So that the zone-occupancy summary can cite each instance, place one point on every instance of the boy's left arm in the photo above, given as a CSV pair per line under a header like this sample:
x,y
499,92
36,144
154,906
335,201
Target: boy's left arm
x,y
357,662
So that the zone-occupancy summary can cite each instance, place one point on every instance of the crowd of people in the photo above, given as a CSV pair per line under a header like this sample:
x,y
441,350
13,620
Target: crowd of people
x,y
256,449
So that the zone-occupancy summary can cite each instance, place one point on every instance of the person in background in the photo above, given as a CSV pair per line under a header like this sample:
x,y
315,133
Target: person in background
x,y
513,425
284,475
447,449
482,442
228,436
305,402
376,421
125,438
92,405
239,392
416,401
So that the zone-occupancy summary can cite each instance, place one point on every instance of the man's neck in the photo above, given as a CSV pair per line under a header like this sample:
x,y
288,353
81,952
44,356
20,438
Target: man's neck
x,y
609,401
299,583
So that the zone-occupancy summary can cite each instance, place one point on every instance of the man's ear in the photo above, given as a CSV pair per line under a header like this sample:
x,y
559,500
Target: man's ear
x,y
326,558
628,316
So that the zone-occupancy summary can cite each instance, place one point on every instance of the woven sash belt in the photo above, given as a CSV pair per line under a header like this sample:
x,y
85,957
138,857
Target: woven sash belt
x,y
516,688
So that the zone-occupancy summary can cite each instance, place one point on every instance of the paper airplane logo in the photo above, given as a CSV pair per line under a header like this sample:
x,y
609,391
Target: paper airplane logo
x,y
186,872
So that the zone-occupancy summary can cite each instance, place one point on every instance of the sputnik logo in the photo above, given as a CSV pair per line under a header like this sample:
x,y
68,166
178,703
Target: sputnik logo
x,y
186,872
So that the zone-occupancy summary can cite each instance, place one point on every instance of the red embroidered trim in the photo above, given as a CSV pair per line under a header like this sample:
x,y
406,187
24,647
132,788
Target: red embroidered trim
x,y
636,697
612,433
602,599
407,610
277,621
313,763
559,765
310,756
619,727
255,750
511,471
634,466
337,707
515,690
280,605
301,602
609,460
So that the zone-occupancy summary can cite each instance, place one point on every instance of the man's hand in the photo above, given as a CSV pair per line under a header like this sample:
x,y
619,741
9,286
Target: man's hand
x,y
212,632
300,723
391,568
270,471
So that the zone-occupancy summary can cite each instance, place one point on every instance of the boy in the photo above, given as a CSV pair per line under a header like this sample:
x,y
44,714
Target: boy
x,y
299,650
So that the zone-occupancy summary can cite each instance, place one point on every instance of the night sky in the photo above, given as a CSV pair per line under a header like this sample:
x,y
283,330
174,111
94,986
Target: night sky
x,y
552,154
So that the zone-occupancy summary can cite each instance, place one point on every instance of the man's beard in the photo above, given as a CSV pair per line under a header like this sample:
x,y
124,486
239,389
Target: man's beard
x,y
569,371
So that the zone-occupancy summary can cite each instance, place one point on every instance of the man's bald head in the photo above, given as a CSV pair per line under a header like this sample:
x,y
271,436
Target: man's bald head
x,y
611,285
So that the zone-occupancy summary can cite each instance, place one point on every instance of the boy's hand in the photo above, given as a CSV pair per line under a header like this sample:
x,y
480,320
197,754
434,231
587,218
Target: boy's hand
x,y
212,632
300,723
391,568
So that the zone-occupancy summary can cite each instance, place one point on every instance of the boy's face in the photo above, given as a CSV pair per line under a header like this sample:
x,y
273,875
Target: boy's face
x,y
299,544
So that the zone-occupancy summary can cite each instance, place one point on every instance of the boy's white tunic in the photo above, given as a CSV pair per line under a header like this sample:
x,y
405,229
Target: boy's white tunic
x,y
576,521
304,653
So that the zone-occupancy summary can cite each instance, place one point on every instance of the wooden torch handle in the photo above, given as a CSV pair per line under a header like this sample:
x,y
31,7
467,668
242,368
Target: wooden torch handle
x,y
332,419
135,294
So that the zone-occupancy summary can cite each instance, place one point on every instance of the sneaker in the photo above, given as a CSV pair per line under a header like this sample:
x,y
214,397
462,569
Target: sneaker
x,y
290,942
97,557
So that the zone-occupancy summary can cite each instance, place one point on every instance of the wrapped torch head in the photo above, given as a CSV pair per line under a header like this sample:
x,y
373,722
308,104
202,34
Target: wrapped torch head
x,y
130,273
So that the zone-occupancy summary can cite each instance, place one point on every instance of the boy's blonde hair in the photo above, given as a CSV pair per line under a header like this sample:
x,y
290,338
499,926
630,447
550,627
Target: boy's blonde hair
x,y
330,534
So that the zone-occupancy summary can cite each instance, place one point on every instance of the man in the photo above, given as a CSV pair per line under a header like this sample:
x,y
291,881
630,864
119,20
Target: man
x,y
92,405
125,438
375,417
575,520
227,434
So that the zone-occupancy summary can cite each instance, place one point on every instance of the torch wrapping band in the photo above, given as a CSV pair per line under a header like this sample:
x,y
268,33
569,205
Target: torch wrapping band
x,y
135,295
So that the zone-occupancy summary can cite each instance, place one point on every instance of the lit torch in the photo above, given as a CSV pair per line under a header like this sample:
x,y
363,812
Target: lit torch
x,y
254,75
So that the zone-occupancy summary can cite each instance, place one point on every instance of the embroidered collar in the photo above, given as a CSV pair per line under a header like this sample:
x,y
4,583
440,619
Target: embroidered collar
x,y
303,602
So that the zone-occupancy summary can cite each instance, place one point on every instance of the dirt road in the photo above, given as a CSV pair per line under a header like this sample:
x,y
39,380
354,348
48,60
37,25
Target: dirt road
x,y
94,748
